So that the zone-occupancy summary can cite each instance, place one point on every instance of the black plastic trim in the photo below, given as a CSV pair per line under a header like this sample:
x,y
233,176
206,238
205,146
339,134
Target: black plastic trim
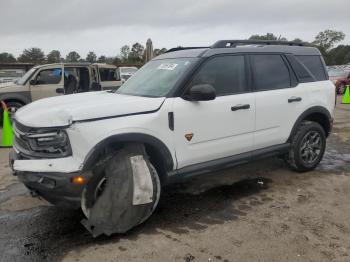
x,y
306,113
93,155
226,162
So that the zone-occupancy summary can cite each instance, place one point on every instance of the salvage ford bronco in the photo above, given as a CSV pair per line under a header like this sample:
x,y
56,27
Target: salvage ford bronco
x,y
186,112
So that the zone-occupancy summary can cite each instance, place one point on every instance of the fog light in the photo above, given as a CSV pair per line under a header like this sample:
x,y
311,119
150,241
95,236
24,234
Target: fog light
x,y
79,180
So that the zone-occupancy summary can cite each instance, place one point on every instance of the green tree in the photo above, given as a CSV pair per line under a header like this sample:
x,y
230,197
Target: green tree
x,y
102,59
339,55
54,57
125,51
136,53
327,39
268,36
157,52
32,55
7,58
91,57
73,57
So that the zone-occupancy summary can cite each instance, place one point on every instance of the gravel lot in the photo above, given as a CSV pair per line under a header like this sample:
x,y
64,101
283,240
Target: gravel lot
x,y
257,212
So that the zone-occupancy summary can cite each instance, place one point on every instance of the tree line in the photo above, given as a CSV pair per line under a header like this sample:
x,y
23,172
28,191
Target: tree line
x,y
325,41
128,55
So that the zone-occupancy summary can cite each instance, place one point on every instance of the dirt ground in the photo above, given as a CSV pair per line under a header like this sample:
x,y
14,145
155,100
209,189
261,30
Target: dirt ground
x,y
257,212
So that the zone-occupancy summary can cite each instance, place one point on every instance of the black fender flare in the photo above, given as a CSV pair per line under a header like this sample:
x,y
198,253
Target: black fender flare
x,y
312,110
23,97
94,153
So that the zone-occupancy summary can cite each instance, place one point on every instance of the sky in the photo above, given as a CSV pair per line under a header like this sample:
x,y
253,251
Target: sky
x,y
104,26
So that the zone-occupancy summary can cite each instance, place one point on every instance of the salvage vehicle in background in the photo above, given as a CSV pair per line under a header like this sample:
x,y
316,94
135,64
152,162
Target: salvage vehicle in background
x,y
48,80
184,113
340,78
126,72
10,75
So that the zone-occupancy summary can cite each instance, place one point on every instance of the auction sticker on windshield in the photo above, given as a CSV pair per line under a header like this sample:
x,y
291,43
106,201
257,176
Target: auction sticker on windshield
x,y
167,66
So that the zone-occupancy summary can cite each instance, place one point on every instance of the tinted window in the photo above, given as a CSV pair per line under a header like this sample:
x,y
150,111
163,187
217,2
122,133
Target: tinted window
x,y
314,64
270,72
108,74
304,75
226,74
49,76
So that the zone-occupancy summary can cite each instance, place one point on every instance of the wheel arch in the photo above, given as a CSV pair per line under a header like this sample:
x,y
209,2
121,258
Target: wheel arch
x,y
15,97
159,153
317,114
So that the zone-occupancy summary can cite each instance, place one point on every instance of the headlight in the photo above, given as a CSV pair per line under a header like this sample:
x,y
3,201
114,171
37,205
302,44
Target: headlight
x,y
55,142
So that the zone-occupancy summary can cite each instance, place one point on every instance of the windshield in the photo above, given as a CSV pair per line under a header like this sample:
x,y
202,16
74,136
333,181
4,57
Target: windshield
x,y
24,78
156,78
337,73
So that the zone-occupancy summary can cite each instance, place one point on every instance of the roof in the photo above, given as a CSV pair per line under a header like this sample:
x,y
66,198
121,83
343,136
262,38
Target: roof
x,y
243,46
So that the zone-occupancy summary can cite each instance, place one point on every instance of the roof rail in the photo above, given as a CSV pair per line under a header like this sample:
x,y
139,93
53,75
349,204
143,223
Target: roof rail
x,y
184,48
234,43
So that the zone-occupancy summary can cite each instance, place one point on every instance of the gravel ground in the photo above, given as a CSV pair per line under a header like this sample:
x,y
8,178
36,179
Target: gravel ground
x,y
257,212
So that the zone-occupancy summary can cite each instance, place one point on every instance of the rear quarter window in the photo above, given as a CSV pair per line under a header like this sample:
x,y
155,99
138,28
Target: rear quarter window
x,y
315,65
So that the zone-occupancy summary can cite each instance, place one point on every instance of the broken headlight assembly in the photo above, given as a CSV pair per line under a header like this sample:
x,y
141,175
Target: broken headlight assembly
x,y
51,144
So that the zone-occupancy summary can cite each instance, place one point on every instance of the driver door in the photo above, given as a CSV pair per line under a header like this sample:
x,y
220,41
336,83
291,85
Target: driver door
x,y
47,82
223,127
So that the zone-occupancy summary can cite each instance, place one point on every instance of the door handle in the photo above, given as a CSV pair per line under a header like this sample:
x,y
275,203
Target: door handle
x,y
240,107
294,99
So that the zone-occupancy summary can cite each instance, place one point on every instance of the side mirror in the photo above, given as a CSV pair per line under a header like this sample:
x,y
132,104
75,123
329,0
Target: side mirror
x,y
32,82
203,92
59,90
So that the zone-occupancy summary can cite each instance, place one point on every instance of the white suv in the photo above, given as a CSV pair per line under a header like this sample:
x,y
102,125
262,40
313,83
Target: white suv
x,y
186,112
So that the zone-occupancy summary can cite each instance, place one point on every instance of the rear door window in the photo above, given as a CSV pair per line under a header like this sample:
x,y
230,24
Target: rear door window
x,y
315,65
108,74
270,72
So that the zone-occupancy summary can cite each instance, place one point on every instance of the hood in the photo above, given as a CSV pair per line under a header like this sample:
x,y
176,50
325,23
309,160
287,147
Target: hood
x,y
63,110
7,85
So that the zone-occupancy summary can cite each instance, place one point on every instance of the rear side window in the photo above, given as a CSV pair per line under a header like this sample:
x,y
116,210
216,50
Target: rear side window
x,y
270,72
315,65
108,74
225,73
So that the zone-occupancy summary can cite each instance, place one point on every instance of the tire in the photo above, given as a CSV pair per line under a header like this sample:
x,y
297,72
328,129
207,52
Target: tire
x,y
307,147
112,210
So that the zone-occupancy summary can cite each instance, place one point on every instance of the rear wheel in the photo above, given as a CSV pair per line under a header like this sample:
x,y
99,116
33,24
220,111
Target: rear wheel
x,y
307,147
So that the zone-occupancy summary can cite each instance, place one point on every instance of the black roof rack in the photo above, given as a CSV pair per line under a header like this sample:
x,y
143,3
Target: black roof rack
x,y
184,48
234,43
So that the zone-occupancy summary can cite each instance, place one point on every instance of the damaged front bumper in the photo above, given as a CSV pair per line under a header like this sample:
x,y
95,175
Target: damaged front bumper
x,y
49,183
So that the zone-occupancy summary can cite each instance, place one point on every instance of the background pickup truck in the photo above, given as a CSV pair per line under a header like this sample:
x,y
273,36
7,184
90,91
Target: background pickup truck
x,y
58,79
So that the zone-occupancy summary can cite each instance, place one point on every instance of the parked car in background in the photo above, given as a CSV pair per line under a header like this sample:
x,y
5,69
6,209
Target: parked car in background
x,y
340,78
10,75
126,72
48,80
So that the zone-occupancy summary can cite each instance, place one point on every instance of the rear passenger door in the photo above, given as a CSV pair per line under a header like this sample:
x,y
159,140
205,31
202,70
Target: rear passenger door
x,y
279,99
208,130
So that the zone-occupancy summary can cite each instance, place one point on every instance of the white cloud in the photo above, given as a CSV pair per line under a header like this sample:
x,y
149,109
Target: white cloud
x,y
104,26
